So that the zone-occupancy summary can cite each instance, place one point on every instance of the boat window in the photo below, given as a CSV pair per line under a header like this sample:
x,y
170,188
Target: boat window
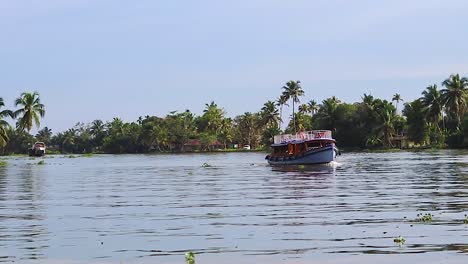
x,y
312,145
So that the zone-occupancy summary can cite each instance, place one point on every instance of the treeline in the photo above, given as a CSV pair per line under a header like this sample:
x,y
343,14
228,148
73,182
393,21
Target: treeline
x,y
438,118
29,110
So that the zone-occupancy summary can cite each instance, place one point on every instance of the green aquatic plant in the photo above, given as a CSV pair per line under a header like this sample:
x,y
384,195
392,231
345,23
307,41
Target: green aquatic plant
x,y
205,165
190,257
3,163
427,217
399,240
71,156
88,155
41,162
17,155
466,219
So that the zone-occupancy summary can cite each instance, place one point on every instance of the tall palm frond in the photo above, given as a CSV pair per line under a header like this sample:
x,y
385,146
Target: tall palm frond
x,y
31,111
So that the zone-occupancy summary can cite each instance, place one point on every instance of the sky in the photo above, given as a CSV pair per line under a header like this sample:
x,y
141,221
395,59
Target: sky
x,y
99,59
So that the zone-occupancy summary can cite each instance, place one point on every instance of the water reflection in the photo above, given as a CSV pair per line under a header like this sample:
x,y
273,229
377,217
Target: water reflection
x,y
315,169
23,214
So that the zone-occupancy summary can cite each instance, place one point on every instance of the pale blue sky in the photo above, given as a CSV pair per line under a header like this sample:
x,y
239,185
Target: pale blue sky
x,y
100,59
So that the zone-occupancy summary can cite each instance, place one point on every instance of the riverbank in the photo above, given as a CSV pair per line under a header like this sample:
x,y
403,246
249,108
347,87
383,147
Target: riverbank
x,y
49,153
343,150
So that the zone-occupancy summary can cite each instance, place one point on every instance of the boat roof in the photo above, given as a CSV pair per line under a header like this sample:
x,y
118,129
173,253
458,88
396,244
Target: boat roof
x,y
301,141
302,136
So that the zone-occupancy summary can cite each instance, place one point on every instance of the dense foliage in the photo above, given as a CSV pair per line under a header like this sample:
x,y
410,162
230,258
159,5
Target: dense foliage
x,y
436,119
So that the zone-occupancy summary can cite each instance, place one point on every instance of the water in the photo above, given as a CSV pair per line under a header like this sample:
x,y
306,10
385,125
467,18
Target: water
x,y
155,208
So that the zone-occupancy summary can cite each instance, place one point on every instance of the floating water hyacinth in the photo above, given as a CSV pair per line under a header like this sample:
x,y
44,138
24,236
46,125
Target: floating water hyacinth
x,y
466,219
205,165
399,240
190,257
427,217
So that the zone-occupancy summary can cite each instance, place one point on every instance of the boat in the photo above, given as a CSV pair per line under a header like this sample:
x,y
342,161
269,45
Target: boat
x,y
38,149
303,148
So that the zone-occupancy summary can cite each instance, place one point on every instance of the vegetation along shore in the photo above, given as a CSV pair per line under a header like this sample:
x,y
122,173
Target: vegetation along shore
x,y
436,119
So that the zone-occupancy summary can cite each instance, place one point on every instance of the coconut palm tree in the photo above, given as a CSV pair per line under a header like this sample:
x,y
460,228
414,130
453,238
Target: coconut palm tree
x,y
44,135
69,140
115,127
4,126
303,108
432,100
226,131
328,112
282,100
247,127
31,110
293,90
386,129
98,128
269,115
397,98
417,129
213,117
98,132
454,97
368,101
313,107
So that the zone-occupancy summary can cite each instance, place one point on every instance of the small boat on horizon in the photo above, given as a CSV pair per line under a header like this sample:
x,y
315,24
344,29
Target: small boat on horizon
x,y
303,148
37,149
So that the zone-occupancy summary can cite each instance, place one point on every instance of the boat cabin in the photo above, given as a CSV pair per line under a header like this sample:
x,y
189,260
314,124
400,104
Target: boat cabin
x,y
296,145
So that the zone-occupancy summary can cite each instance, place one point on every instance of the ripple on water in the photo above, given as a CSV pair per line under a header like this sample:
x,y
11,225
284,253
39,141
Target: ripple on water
x,y
157,207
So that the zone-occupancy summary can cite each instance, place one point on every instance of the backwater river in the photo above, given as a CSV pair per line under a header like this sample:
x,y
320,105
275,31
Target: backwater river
x,y
146,209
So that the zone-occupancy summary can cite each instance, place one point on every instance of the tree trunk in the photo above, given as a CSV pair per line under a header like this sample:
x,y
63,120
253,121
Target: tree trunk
x,y
294,119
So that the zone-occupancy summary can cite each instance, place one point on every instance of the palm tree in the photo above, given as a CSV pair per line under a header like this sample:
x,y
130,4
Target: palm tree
x,y
293,90
454,97
115,127
303,108
153,135
269,115
368,101
313,107
98,131
44,135
328,112
386,129
282,100
69,140
397,98
32,110
213,116
98,128
432,100
4,126
226,131
247,126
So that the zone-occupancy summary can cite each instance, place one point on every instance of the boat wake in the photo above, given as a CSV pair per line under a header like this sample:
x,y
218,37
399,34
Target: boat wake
x,y
334,164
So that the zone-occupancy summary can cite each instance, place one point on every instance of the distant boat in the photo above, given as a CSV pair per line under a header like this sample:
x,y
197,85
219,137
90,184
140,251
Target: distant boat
x,y
311,147
37,149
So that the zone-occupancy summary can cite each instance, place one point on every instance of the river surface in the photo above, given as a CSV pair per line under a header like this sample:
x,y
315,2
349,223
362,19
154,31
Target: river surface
x,y
155,208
